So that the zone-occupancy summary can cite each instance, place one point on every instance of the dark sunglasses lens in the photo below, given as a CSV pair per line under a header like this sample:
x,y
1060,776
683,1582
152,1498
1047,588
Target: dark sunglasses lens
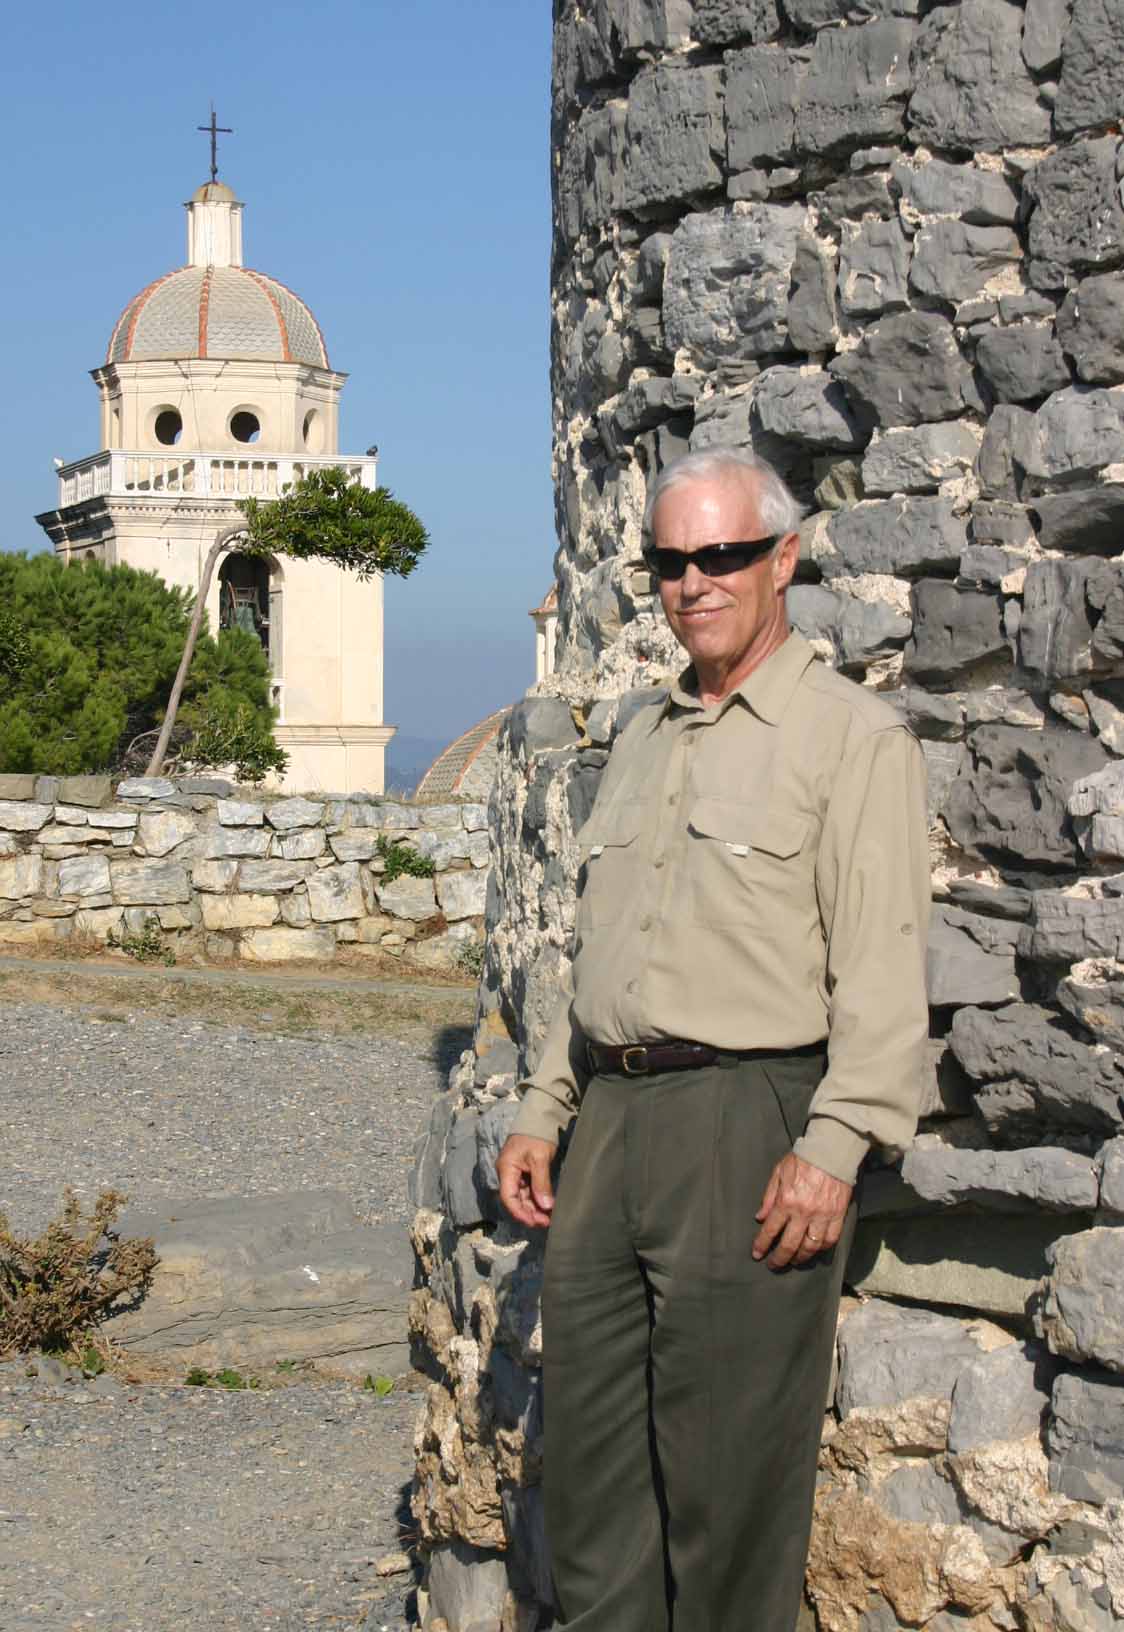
x,y
712,560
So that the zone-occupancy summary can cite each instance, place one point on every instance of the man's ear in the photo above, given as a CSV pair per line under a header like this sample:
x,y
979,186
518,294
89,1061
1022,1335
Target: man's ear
x,y
785,559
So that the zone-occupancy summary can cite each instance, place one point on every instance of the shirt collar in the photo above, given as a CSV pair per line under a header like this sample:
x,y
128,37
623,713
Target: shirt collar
x,y
766,690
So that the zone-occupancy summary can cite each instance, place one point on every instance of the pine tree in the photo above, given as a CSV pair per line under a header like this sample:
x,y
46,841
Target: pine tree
x,y
87,659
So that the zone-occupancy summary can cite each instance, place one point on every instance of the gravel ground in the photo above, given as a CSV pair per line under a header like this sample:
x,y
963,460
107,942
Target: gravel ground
x,y
155,1507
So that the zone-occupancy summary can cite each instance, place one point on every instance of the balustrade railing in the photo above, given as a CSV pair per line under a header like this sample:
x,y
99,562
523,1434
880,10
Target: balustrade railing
x,y
125,472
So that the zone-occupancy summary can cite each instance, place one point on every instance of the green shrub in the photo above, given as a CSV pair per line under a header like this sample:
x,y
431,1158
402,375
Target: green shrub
x,y
401,859
145,945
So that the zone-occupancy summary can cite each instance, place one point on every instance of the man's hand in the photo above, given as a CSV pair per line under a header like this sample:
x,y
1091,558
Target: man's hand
x,y
526,1190
802,1213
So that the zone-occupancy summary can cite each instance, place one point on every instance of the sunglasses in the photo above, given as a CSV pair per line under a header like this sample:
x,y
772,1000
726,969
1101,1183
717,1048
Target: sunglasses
x,y
712,560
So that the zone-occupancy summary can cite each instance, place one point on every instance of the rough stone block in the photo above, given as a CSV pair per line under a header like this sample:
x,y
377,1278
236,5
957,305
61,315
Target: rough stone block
x,y
149,883
953,629
335,893
725,22
304,846
274,876
467,1588
806,405
239,813
812,325
84,875
972,90
1091,328
1091,88
888,1354
36,933
1093,993
855,87
971,958
860,632
145,787
1009,802
1085,1439
13,787
538,725
727,281
991,1262
1044,30
71,816
907,370
1038,1076
873,268
763,86
462,895
214,875
161,831
405,897
287,814
1000,1395
905,537
238,911
21,876
91,791
97,922
354,843
217,842
1112,1175
998,1180
1076,220
19,817
675,135
1023,362
282,944
917,459
1082,1312
979,197
1085,521
955,262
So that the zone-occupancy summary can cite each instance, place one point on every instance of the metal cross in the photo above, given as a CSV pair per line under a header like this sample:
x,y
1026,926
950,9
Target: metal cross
x,y
214,130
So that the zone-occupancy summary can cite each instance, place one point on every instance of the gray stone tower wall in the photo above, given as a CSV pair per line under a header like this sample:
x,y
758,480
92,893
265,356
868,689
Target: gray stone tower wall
x,y
884,246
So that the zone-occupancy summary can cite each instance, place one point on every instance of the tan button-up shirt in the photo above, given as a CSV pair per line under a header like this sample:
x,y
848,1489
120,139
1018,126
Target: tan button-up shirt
x,y
755,875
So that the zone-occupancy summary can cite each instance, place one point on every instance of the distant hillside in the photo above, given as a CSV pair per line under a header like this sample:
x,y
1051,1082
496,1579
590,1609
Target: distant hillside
x,y
408,759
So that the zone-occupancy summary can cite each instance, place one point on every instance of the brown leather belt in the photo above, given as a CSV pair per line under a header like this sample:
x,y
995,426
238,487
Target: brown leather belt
x,y
675,1054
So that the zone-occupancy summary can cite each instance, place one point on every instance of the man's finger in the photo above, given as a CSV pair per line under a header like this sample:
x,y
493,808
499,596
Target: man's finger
x,y
768,1201
788,1245
542,1187
772,1227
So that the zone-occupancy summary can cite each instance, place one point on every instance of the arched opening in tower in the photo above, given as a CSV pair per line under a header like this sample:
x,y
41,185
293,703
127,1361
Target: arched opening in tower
x,y
250,599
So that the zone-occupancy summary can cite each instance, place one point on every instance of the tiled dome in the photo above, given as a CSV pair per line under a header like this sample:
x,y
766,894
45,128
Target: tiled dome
x,y
224,312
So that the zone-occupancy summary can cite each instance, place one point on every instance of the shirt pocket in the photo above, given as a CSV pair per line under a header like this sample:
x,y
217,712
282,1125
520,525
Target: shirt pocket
x,y
609,846
745,864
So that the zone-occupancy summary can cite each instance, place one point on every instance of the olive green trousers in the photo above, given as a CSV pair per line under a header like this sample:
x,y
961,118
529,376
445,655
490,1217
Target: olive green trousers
x,y
684,1383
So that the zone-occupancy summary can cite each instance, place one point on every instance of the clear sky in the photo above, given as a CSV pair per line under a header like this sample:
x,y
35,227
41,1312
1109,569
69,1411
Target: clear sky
x,y
393,157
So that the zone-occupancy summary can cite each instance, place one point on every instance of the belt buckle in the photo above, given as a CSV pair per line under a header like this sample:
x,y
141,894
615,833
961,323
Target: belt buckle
x,y
638,1053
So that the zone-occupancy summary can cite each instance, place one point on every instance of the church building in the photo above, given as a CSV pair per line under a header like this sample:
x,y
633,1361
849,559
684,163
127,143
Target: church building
x,y
216,385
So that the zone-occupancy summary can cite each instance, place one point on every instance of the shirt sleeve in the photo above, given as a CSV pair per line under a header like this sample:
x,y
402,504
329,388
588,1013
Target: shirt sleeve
x,y
874,886
552,1093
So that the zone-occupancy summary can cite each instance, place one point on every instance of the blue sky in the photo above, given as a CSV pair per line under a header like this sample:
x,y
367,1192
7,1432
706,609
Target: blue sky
x,y
393,156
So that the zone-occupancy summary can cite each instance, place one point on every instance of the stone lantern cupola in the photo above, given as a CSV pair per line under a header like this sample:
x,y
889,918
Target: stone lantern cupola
x,y
216,385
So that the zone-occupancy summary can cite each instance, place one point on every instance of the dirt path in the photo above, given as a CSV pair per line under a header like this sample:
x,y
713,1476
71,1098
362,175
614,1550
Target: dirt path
x,y
132,1505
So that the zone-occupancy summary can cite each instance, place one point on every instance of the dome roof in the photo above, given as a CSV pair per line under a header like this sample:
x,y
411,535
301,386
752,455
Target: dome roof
x,y
225,312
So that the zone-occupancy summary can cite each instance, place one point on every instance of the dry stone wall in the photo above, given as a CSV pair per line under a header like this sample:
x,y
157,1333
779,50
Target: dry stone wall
x,y
207,869
882,244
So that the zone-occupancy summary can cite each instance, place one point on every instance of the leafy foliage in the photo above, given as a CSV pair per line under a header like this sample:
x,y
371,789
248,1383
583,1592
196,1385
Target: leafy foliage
x,y
197,1377
327,517
55,1286
87,658
145,945
401,859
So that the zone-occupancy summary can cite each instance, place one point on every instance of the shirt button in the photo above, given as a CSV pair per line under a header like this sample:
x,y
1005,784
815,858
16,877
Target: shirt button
x,y
659,862
673,798
633,986
645,924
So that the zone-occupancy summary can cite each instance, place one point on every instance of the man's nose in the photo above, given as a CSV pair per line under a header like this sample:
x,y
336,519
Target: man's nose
x,y
694,581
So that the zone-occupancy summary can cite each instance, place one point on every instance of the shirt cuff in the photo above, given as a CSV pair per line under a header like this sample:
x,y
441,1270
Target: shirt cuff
x,y
833,1147
540,1116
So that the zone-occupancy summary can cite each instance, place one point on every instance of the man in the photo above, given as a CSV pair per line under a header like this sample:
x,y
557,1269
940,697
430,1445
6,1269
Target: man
x,y
748,1017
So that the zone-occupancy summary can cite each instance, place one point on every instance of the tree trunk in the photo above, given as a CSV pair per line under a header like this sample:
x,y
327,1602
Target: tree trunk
x,y
222,542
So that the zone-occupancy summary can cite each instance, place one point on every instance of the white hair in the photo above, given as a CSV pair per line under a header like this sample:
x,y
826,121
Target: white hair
x,y
780,511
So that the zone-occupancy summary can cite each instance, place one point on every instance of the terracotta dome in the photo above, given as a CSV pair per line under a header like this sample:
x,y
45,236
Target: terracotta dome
x,y
225,312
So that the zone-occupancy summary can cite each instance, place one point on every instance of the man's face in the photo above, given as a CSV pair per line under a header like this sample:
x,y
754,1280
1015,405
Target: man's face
x,y
724,622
